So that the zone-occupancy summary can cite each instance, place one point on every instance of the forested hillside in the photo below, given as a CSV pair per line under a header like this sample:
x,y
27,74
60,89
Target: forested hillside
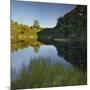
x,y
72,25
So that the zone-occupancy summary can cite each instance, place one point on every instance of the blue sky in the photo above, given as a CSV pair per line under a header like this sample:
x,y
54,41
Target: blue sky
x,y
45,13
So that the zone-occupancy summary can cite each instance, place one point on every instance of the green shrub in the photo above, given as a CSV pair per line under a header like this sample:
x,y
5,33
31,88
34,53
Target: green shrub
x,y
41,73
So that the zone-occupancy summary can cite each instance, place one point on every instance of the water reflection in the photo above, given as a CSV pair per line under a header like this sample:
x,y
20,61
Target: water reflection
x,y
58,52
74,52
24,43
45,51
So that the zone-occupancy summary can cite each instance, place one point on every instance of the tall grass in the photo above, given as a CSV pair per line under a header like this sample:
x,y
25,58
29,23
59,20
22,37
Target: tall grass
x,y
40,73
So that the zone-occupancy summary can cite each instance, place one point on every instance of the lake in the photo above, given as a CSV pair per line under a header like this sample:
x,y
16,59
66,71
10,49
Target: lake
x,y
23,56
64,54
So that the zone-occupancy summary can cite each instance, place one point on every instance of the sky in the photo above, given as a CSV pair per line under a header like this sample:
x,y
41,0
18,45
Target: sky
x,y
46,13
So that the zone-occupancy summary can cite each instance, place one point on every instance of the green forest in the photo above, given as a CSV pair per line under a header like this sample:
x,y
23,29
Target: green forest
x,y
23,35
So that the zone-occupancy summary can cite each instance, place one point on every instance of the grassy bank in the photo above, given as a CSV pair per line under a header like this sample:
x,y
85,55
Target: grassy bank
x,y
40,73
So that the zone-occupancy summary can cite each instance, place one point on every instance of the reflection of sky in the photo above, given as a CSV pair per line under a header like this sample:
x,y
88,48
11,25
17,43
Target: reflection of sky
x,y
46,13
46,51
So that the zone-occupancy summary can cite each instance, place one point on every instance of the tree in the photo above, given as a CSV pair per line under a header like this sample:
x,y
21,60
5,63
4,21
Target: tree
x,y
36,25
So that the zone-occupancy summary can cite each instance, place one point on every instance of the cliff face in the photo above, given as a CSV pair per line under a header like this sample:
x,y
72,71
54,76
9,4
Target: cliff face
x,y
71,25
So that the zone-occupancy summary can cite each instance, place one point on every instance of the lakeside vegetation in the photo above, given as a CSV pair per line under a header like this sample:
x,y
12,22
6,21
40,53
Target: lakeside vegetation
x,y
23,35
41,73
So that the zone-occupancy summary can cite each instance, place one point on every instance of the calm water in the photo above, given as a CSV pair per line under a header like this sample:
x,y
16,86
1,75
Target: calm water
x,y
68,55
23,56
